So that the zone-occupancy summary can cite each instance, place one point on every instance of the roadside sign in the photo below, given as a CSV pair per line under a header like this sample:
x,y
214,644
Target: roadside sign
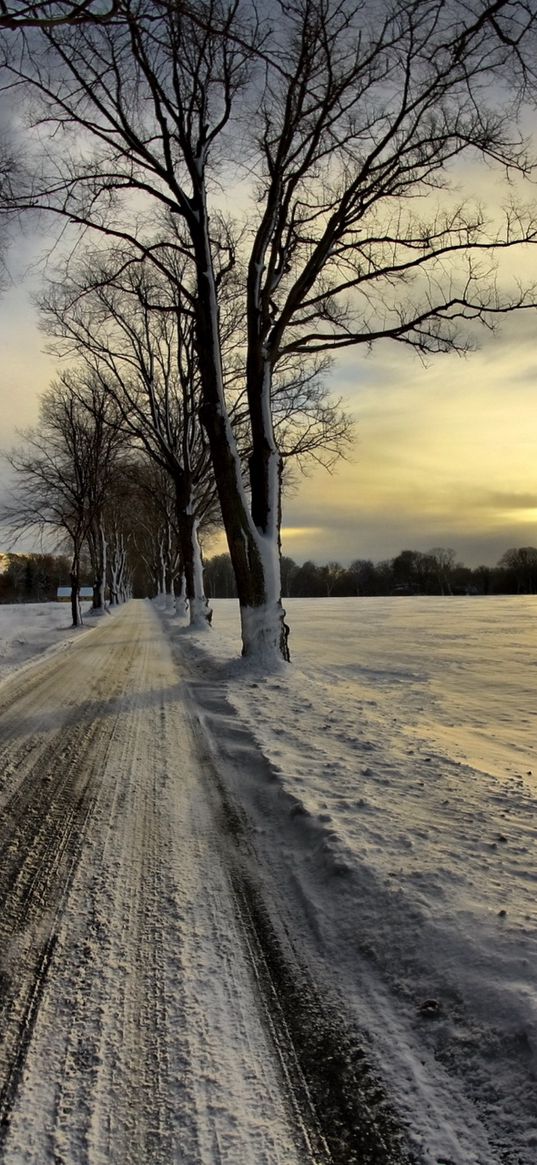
x,y
65,593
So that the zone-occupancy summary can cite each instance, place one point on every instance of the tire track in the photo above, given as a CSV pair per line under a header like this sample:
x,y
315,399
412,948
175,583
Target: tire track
x,y
43,827
336,1098
42,841
145,1018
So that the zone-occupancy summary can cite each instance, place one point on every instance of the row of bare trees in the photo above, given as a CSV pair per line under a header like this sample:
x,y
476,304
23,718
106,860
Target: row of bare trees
x,y
129,410
67,484
91,491
133,334
411,572
261,191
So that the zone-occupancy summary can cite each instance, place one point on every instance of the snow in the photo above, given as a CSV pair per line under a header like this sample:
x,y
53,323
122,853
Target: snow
x,y
148,1043
402,756
28,629
386,782
262,628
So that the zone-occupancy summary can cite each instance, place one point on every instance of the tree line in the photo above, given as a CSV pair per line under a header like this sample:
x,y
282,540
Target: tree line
x,y
240,196
36,577
32,578
411,572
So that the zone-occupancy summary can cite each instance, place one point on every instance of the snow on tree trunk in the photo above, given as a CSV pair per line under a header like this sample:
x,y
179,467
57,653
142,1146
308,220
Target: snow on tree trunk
x,y
199,610
181,601
114,571
114,589
100,572
161,586
121,568
104,564
254,550
200,613
169,600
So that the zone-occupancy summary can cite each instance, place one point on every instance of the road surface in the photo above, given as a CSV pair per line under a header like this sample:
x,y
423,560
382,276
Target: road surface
x,y
141,1020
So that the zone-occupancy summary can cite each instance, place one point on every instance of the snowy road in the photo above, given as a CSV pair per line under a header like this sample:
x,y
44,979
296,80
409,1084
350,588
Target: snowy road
x,y
142,1017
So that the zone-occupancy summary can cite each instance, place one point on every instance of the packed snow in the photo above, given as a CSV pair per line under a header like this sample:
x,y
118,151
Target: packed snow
x,y
388,776
130,1031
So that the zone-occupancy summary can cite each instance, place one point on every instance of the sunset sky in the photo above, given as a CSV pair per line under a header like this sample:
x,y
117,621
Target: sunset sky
x,y
445,454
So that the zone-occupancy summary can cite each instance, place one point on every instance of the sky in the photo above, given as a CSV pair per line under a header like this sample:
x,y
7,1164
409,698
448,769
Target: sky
x,y
444,453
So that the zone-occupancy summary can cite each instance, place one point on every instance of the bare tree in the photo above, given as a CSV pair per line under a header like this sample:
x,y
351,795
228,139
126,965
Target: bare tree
x,y
130,323
63,471
522,561
362,573
155,535
8,175
136,335
24,14
120,542
443,559
104,440
348,117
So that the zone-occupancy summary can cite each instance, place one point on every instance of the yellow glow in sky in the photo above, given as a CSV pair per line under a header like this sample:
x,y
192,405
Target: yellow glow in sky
x,y
444,454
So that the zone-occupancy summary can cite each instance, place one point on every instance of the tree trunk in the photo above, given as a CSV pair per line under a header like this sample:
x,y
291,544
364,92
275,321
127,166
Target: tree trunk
x,y
254,550
99,567
118,561
161,586
181,601
200,612
74,578
114,574
104,564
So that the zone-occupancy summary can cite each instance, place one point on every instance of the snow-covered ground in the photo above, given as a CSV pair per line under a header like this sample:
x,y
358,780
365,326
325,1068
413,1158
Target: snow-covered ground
x,y
402,748
29,629
130,1027
382,792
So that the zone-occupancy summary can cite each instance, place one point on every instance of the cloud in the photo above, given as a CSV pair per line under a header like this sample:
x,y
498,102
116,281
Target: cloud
x,y
445,455
505,502
26,370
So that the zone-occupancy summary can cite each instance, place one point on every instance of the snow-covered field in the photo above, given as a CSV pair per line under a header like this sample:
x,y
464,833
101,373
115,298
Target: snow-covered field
x,y
387,783
403,745
29,629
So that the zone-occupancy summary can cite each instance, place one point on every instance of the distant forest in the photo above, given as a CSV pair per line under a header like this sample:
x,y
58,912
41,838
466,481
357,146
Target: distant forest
x,y
411,572
34,578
